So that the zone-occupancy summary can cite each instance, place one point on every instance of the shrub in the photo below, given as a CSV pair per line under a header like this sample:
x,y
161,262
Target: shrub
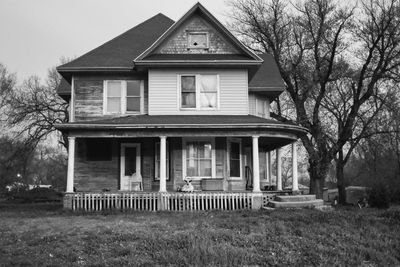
x,y
39,195
379,197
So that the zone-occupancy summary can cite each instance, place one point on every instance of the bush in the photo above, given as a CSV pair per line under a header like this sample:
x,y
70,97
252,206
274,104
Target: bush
x,y
379,197
39,195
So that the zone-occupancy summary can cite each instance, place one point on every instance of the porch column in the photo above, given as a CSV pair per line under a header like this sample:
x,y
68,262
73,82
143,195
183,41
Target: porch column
x,y
295,183
71,163
278,170
269,169
163,164
256,166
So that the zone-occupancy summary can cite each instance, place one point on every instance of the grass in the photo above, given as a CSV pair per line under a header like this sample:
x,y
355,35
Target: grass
x,y
44,235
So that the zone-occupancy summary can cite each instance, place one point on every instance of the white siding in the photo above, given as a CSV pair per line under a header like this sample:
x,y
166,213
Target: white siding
x,y
164,92
253,100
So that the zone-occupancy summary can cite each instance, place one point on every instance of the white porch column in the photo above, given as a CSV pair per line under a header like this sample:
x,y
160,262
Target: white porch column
x,y
278,170
269,169
71,163
295,183
163,164
256,166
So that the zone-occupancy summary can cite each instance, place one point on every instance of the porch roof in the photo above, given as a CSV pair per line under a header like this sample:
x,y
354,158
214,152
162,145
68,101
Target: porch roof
x,y
273,134
181,121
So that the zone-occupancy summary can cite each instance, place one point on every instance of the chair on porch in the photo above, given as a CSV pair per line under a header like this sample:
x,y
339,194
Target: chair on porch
x,y
136,183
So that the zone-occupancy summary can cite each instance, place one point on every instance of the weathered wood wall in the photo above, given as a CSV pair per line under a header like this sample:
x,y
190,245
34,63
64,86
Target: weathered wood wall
x,y
88,95
94,176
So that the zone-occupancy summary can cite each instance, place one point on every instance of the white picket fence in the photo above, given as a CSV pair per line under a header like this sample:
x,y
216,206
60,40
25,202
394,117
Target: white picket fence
x,y
148,201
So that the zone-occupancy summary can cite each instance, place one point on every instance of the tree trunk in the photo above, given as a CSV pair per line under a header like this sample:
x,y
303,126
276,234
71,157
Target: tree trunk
x,y
341,183
318,171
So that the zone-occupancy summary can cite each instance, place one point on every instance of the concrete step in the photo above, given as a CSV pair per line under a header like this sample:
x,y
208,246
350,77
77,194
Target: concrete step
x,y
295,198
296,204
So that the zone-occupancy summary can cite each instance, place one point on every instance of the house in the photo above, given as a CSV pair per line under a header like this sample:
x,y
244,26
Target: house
x,y
167,102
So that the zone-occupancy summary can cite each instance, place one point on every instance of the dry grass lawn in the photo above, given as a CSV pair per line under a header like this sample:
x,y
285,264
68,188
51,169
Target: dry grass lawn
x,y
44,235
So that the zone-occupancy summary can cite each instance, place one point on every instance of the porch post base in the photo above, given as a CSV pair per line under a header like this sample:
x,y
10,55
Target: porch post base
x,y
257,201
67,201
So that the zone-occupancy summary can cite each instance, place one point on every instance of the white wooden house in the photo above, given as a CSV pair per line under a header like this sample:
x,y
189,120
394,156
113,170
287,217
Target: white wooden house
x,y
167,102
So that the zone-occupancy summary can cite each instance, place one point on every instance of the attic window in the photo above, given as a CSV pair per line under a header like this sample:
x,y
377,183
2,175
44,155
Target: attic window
x,y
197,40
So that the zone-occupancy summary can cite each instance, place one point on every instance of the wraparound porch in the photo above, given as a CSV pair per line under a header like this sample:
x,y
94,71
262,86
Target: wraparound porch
x,y
206,152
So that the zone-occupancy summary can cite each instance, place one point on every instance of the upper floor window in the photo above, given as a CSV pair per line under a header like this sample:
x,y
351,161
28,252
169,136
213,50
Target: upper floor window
x,y
199,91
197,40
121,97
261,108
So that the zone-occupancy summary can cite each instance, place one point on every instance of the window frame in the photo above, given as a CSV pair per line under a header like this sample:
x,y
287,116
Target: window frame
x,y
229,141
262,102
123,99
213,158
197,92
190,46
155,161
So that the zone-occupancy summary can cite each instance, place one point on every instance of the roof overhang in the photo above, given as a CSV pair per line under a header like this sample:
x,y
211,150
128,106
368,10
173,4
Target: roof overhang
x,y
198,63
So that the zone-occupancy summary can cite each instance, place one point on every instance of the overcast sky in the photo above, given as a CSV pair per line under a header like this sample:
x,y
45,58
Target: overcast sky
x,y
34,35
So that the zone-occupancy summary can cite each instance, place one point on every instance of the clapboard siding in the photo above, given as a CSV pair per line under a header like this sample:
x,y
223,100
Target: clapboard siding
x,y
164,97
253,98
89,95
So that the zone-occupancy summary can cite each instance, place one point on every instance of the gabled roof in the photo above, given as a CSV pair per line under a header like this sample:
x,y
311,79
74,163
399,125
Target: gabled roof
x,y
144,57
118,53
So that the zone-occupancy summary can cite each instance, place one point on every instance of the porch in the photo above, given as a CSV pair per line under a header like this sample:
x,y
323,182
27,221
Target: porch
x,y
229,164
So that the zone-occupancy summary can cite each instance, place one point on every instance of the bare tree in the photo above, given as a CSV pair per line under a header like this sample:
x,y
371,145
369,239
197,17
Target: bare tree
x,y
34,108
316,44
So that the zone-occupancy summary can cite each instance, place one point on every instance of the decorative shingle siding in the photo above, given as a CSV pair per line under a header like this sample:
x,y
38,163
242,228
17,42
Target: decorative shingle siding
x,y
178,42
164,96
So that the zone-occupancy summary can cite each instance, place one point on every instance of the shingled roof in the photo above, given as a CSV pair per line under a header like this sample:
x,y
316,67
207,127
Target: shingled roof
x,y
118,55
119,52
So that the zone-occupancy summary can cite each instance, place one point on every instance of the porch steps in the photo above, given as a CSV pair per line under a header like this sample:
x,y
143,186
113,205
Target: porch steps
x,y
296,202
295,198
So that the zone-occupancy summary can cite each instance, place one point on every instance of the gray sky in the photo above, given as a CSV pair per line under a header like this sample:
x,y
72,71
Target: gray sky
x,y
34,35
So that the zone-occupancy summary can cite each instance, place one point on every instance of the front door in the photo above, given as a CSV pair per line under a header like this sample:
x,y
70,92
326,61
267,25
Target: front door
x,y
130,164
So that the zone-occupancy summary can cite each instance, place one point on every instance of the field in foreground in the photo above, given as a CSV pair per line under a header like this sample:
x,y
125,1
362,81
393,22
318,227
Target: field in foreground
x,y
44,235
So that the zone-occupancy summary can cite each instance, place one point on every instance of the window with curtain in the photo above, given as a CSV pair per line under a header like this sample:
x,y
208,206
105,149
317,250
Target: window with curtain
x,y
157,162
198,159
123,97
199,91
208,91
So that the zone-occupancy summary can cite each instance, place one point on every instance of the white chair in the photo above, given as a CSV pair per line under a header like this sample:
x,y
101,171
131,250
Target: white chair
x,y
136,183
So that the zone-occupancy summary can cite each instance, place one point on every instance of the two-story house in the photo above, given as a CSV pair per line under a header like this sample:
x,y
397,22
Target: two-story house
x,y
167,102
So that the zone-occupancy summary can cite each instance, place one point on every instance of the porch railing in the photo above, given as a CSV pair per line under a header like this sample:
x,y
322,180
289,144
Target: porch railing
x,y
143,201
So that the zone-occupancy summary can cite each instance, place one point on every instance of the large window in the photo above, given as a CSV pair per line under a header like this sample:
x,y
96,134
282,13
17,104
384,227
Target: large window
x,y
98,149
199,91
199,157
157,162
121,97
